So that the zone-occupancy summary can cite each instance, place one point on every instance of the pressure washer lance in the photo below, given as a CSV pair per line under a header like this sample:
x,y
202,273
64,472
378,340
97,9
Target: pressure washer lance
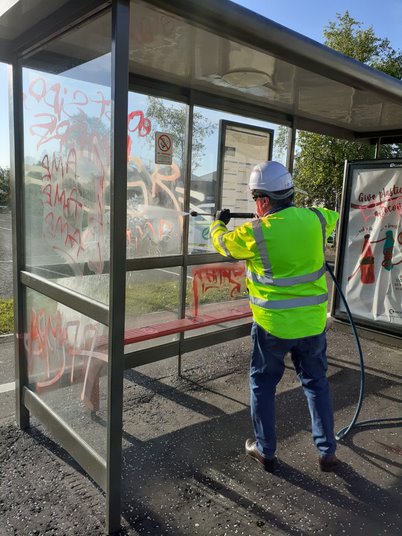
x,y
245,215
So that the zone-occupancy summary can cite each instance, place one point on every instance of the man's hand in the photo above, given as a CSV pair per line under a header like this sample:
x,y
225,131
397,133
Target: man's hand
x,y
223,215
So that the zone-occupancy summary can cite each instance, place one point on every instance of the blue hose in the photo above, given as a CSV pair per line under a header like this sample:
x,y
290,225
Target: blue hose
x,y
344,431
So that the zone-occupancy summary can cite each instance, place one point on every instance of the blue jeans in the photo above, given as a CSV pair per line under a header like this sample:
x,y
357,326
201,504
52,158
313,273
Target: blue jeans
x,y
266,370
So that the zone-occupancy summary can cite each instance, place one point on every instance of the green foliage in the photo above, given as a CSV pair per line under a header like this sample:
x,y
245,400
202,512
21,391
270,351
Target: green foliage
x,y
320,160
173,119
6,316
5,192
346,35
152,297
319,166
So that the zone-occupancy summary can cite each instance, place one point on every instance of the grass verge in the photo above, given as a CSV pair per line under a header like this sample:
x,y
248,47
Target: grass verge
x,y
6,316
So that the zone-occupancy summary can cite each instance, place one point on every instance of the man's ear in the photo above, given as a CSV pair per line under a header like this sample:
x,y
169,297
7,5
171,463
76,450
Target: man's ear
x,y
267,202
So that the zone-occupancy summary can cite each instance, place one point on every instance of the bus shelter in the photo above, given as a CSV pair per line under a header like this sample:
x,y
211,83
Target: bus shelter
x,y
132,122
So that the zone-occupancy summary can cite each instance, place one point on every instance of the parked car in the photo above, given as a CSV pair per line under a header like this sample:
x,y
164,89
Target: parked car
x,y
331,239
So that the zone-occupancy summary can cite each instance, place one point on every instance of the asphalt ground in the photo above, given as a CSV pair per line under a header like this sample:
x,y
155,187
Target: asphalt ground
x,y
184,468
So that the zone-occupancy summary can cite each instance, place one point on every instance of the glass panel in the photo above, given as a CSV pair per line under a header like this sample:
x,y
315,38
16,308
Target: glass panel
x,y
204,175
152,301
213,284
155,188
67,366
67,159
66,90
217,292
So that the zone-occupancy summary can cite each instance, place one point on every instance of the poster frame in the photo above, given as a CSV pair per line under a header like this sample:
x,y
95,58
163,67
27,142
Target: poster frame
x,y
350,167
223,126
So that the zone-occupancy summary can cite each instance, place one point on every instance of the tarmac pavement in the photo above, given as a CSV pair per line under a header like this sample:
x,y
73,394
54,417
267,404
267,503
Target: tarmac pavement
x,y
184,468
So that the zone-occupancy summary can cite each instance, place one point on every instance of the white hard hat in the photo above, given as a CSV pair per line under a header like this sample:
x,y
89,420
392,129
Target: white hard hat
x,y
271,177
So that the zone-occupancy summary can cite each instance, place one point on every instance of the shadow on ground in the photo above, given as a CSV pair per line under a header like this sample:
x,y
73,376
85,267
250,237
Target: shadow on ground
x,y
184,468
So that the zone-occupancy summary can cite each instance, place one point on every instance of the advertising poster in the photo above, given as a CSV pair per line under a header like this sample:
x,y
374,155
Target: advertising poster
x,y
242,147
371,244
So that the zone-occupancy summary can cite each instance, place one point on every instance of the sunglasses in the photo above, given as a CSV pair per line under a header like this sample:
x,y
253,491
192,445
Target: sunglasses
x,y
258,196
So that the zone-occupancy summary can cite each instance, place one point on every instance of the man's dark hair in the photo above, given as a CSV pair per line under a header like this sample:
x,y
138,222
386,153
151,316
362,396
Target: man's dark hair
x,y
279,202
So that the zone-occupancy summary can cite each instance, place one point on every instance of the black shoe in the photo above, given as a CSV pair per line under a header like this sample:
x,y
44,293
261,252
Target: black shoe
x,y
328,463
251,450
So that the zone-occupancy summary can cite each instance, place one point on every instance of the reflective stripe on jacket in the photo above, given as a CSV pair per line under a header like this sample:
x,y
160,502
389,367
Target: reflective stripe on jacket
x,y
285,260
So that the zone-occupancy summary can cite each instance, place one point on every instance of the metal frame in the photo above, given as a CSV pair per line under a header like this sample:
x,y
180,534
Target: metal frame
x,y
90,460
153,87
223,125
107,472
17,185
186,344
69,15
72,299
340,256
291,149
190,344
118,223
186,229
157,88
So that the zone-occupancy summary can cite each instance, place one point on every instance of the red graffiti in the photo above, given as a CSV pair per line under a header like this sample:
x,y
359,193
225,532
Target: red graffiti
x,y
63,211
210,276
63,208
64,117
46,334
53,348
137,122
68,116
73,121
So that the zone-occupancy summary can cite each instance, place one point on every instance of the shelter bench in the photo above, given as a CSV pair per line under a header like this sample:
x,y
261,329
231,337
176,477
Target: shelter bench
x,y
217,315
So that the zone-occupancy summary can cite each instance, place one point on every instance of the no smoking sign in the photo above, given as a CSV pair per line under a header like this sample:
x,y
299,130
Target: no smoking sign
x,y
163,148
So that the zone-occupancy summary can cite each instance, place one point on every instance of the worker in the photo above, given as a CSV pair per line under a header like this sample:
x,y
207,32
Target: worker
x,y
284,250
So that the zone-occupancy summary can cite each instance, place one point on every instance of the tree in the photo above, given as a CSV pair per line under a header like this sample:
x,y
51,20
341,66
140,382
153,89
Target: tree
x,y
173,119
319,162
347,36
4,186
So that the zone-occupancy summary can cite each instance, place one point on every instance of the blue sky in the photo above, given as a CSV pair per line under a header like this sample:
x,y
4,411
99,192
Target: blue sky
x,y
308,18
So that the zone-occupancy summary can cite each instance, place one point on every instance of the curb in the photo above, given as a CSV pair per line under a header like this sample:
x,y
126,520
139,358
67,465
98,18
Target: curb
x,y
7,336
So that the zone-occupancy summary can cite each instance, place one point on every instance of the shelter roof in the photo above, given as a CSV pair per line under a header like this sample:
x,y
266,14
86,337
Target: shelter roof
x,y
217,49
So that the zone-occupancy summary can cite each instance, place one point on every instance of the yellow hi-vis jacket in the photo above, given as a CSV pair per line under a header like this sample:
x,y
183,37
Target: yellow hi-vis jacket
x,y
285,261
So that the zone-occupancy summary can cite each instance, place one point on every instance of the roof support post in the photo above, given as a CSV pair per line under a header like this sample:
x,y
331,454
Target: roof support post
x,y
17,189
291,148
377,148
118,224
186,226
